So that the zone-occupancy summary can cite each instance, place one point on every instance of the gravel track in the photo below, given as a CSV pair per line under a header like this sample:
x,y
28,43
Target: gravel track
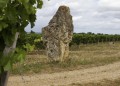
x,y
95,74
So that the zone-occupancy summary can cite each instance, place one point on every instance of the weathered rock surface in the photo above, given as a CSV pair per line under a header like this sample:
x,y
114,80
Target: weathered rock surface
x,y
58,34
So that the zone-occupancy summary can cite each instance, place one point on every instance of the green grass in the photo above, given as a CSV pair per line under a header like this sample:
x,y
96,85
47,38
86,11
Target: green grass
x,y
84,57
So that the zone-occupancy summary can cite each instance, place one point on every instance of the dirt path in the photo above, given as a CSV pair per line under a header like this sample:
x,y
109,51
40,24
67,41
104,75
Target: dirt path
x,y
95,74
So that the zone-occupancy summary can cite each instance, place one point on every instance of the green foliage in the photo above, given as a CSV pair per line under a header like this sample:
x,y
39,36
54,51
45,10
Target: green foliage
x,y
31,39
15,15
7,61
90,38
29,47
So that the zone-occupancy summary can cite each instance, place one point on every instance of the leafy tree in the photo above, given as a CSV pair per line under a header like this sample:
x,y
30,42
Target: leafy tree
x,y
15,15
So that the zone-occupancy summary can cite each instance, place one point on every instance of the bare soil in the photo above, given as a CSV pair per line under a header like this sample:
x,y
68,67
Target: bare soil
x,y
82,76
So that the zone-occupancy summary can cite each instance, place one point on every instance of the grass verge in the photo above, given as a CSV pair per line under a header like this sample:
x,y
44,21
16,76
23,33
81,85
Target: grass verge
x,y
85,57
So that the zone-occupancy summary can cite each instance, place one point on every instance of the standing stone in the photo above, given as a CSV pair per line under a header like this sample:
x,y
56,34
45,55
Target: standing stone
x,y
58,34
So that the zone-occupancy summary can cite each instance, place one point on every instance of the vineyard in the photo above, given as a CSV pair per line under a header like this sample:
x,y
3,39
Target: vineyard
x,y
58,56
33,41
89,38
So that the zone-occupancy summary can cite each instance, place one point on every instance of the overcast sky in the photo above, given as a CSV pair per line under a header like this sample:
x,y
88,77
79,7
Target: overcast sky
x,y
97,16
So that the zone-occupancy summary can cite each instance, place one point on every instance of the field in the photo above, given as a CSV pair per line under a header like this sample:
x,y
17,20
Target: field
x,y
84,57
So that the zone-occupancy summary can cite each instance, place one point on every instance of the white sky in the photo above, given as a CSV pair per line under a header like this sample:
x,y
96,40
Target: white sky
x,y
98,16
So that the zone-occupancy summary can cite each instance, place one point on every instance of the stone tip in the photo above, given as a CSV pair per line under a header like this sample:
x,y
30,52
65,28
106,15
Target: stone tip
x,y
63,8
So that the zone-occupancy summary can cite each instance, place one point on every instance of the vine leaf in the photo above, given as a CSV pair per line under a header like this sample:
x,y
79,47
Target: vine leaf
x,y
15,15
3,3
39,4
8,66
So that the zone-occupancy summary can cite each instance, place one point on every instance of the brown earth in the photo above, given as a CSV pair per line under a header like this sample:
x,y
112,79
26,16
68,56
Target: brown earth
x,y
95,74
